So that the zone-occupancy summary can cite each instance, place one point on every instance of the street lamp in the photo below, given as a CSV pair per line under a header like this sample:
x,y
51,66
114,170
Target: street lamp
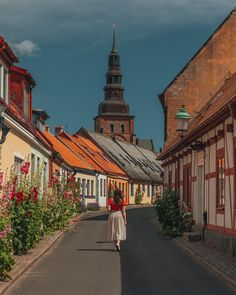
x,y
182,119
3,127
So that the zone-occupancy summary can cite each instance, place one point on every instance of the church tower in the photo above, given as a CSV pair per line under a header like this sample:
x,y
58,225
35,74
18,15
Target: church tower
x,y
113,113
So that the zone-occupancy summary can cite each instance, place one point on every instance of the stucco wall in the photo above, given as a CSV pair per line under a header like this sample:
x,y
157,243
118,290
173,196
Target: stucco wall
x,y
15,145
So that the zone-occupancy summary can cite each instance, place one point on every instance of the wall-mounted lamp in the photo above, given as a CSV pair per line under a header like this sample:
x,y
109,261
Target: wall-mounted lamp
x,y
198,145
182,119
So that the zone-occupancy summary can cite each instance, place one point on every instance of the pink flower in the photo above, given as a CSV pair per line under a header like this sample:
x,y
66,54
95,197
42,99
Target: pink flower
x,y
25,168
8,228
1,180
3,234
35,194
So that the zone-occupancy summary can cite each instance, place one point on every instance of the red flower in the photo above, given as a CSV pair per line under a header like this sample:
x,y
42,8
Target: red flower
x,y
35,194
12,196
19,197
25,168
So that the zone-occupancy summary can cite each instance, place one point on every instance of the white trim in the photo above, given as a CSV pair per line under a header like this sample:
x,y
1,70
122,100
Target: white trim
x,y
19,155
15,125
4,81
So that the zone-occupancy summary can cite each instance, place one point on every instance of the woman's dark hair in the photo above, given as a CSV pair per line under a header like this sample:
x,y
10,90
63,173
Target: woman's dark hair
x,y
117,197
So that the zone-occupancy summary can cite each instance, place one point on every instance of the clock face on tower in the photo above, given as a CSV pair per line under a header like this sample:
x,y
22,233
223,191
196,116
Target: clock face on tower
x,y
115,93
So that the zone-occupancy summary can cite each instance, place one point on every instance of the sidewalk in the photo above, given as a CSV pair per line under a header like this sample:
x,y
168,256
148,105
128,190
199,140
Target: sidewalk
x,y
22,263
223,265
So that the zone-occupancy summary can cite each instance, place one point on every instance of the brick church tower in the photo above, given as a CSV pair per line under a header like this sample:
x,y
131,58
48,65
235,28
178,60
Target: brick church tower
x,y
113,113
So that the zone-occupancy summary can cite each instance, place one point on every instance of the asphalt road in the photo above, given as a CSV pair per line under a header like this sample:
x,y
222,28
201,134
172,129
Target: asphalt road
x,y
85,263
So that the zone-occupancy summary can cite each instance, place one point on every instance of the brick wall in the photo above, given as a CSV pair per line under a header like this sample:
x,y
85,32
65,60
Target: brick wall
x,y
200,79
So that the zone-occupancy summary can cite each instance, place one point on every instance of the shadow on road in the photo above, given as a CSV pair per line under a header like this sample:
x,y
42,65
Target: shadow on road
x,y
98,250
103,217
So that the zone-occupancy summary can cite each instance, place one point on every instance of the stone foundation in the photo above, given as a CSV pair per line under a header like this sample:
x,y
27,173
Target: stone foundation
x,y
224,243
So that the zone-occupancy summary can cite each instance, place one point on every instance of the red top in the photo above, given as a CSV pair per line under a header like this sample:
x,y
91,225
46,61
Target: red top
x,y
115,207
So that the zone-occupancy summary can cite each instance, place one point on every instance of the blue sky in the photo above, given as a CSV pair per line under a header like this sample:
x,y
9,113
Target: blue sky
x,y
65,46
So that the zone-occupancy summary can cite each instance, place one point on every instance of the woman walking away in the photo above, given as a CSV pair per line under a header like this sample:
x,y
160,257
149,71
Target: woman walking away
x,y
117,219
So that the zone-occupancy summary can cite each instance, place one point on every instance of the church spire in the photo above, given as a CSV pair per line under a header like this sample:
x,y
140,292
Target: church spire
x,y
114,38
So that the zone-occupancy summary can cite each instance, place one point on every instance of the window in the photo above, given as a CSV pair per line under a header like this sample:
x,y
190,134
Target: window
x,y
220,181
92,187
17,163
170,180
123,188
83,186
148,190
26,102
32,163
88,187
101,130
144,188
112,128
44,175
177,179
38,164
187,185
153,190
100,187
104,187
132,189
122,127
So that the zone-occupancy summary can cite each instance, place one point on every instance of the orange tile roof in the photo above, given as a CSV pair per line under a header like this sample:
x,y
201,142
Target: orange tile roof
x,y
214,108
71,158
98,155
68,141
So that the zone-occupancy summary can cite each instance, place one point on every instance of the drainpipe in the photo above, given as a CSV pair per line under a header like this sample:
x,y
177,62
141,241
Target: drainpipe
x,y
204,225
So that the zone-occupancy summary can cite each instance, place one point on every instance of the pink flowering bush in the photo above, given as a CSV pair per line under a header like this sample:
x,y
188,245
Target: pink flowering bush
x,y
6,259
26,213
61,202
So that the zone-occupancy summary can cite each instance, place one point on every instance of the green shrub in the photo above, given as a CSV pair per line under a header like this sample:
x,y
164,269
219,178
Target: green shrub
x,y
169,214
138,197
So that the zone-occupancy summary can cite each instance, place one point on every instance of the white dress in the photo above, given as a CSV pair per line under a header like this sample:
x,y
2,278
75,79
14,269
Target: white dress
x,y
116,226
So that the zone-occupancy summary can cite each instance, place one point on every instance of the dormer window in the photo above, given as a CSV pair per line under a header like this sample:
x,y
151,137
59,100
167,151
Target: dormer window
x,y
3,83
112,128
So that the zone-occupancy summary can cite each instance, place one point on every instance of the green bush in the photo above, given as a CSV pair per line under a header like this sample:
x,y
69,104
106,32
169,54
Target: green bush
x,y
138,197
169,214
26,213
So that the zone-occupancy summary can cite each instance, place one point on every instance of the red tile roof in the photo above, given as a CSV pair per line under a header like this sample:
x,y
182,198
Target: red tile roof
x,y
68,141
71,158
99,156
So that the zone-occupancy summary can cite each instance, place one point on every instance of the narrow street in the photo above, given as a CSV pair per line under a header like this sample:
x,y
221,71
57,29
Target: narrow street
x,y
84,263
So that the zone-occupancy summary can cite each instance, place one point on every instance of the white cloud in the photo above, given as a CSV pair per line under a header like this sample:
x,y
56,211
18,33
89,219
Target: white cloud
x,y
26,47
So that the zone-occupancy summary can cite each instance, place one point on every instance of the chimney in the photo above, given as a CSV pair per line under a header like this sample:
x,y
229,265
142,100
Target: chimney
x,y
47,128
58,129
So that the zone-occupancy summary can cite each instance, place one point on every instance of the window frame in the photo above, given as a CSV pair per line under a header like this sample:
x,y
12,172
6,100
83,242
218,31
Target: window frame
x,y
220,179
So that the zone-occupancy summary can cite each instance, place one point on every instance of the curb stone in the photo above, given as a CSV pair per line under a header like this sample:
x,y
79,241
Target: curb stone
x,y
201,259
